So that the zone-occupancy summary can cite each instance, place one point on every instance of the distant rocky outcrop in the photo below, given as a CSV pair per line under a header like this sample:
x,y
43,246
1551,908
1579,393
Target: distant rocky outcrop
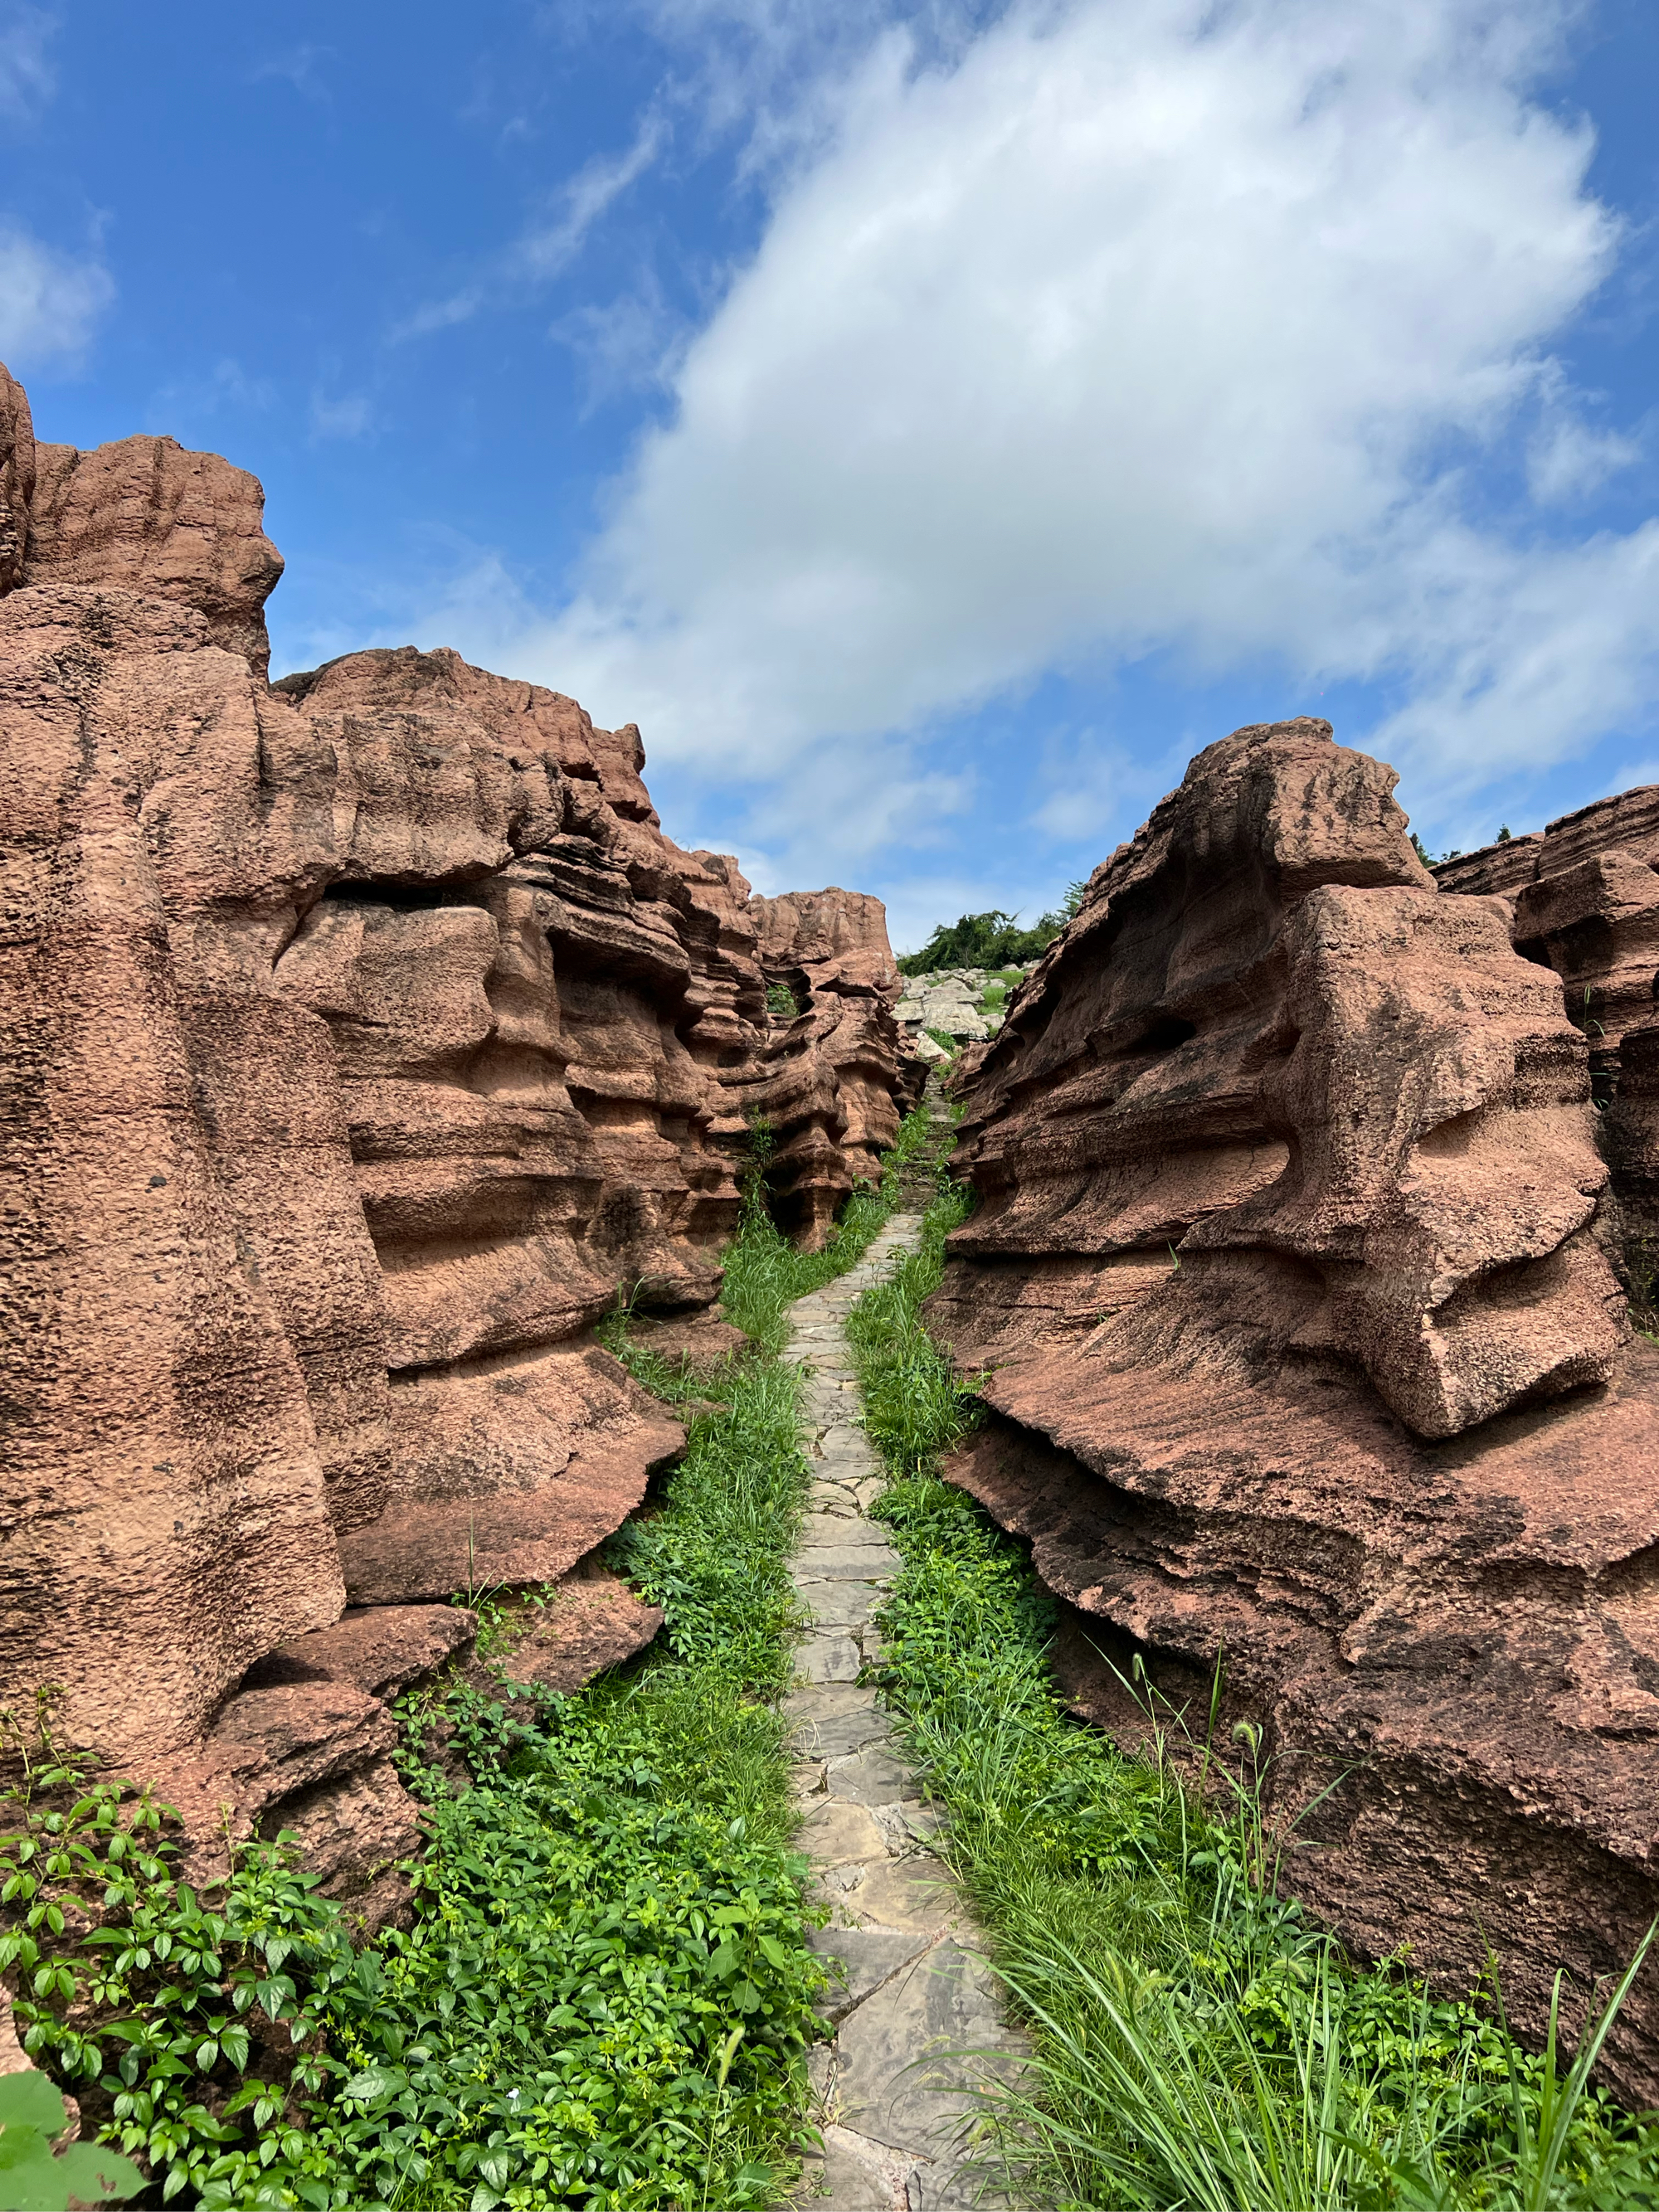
x,y
966,1005
364,1036
828,1083
1303,1354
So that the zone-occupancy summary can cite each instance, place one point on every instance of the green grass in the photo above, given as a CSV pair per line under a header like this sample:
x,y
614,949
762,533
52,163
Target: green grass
x,y
765,1273
1198,2042
606,1997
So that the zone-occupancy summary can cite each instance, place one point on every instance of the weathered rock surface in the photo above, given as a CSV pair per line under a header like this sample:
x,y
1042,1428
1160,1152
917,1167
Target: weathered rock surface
x,y
590,1621
304,1747
828,1080
965,1004
144,515
16,478
364,1038
1304,1349
1584,899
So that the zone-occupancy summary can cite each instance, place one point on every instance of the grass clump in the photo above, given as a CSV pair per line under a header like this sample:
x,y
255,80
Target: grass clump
x,y
1197,2044
605,1995
765,1272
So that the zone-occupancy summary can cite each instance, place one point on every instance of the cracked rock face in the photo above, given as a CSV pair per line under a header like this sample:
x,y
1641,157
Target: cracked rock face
x,y
364,1036
1289,1274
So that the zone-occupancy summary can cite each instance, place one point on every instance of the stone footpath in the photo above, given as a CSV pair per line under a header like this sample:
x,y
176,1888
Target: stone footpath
x,y
900,1943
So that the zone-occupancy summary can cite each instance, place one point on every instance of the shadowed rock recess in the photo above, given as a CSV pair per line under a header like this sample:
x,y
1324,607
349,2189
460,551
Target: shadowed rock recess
x,y
1295,1271
363,1036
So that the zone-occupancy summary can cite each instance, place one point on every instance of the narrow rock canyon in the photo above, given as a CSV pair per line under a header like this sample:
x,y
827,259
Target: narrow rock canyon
x,y
364,1038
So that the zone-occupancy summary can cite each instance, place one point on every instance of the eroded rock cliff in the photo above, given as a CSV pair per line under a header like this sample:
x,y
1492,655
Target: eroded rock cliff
x,y
1583,896
1304,1353
364,1038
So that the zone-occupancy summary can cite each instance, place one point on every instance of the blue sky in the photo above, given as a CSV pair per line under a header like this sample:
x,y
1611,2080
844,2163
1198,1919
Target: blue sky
x,y
930,422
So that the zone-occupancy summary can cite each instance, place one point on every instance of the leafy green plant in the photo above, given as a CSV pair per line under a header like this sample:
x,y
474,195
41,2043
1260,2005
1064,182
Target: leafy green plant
x,y
780,1002
1197,2041
35,2177
185,2018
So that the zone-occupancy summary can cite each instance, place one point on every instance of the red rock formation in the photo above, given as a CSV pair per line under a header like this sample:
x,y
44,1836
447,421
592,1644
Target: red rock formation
x,y
365,1036
1585,903
1303,1347
146,516
16,478
304,1747
592,1620
827,1084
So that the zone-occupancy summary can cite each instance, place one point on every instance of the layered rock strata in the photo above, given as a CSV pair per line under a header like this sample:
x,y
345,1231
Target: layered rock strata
x,y
829,1082
1304,1356
364,1038
1584,899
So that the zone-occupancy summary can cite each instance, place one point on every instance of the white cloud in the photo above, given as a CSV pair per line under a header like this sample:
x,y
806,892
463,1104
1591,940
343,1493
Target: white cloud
x,y
439,314
28,80
349,417
49,301
1089,779
547,248
201,398
1131,324
626,344
550,248
1567,460
1524,657
298,66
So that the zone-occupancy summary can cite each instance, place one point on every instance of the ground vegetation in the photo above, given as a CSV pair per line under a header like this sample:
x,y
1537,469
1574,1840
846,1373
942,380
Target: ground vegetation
x,y
1198,2041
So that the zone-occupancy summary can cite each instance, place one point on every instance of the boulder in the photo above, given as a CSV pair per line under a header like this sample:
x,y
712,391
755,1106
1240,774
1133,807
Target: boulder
x,y
590,1622
143,516
1305,1360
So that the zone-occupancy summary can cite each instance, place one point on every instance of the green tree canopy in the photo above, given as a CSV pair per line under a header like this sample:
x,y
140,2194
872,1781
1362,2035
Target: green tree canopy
x,y
993,939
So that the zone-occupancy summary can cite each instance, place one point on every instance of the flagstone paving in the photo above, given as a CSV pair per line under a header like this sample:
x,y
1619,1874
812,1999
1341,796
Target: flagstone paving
x,y
916,2012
